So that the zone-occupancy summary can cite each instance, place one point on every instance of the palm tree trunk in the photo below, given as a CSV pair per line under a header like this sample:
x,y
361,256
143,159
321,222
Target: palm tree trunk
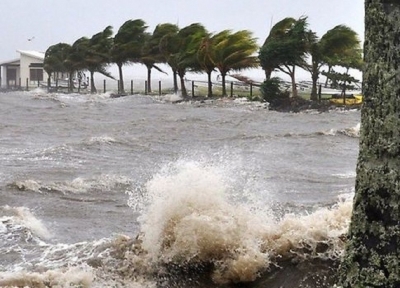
x,y
314,78
121,89
92,86
183,87
149,79
268,73
327,79
48,82
223,82
210,93
70,82
293,78
175,80
372,252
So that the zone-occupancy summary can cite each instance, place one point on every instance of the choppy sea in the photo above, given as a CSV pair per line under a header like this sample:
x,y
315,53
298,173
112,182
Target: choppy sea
x,y
140,191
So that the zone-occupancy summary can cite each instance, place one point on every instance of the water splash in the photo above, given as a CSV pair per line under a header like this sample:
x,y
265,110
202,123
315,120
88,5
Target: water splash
x,y
191,220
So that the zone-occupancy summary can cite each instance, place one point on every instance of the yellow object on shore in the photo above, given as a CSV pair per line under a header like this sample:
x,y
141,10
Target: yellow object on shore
x,y
351,99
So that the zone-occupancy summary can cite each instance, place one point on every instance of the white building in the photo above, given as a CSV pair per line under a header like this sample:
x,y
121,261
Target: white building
x,y
24,72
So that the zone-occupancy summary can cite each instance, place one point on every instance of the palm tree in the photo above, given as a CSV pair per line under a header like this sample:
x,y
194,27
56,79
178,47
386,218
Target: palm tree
x,y
76,60
98,54
169,46
371,257
234,52
151,53
268,60
205,56
285,48
127,46
180,50
190,38
55,60
334,48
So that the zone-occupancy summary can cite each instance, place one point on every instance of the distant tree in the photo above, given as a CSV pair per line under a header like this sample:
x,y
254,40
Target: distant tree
x,y
151,53
98,55
372,253
190,38
285,48
76,60
169,46
333,49
55,60
343,81
180,50
234,52
127,46
269,63
205,57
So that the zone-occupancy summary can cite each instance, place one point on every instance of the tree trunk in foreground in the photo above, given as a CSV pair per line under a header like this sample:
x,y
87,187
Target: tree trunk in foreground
x,y
372,256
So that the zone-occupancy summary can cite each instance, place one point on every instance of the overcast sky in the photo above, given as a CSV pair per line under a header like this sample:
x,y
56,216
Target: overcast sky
x,y
50,22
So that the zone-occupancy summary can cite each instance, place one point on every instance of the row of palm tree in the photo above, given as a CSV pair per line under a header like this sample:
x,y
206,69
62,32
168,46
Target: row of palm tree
x,y
290,44
191,48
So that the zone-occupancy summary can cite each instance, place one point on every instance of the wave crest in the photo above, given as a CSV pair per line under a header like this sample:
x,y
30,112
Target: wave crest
x,y
191,221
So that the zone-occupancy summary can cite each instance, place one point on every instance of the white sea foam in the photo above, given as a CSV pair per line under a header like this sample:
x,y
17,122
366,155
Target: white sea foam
x,y
79,185
172,98
21,216
100,140
59,278
351,132
191,218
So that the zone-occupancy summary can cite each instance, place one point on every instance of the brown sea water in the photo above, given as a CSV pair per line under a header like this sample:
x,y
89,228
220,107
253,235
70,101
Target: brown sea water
x,y
140,192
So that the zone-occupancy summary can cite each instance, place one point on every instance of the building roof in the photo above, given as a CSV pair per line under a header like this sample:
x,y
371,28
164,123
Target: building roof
x,y
33,54
10,62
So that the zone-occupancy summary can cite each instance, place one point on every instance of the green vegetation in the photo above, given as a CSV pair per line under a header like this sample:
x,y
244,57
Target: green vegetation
x,y
290,44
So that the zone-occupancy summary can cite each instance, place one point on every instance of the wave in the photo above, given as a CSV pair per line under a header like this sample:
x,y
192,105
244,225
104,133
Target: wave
x,y
353,132
80,185
191,221
197,231
67,277
21,234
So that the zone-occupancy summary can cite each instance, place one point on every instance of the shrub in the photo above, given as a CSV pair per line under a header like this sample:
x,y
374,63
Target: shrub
x,y
271,91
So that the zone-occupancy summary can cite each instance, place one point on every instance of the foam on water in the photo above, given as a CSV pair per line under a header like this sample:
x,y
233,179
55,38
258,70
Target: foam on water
x,y
191,216
22,217
57,278
79,185
191,219
351,132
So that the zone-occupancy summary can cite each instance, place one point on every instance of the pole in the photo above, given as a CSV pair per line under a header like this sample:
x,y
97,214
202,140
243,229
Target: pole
x,y
159,88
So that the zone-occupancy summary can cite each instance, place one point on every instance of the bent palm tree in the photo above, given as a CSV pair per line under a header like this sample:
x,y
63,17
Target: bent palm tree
x,y
332,49
285,48
169,46
234,52
55,60
205,58
127,46
98,55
